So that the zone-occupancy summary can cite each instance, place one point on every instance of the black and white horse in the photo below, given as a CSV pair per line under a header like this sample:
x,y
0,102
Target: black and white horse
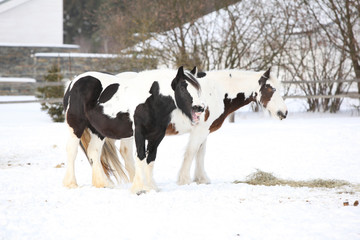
x,y
115,108
224,92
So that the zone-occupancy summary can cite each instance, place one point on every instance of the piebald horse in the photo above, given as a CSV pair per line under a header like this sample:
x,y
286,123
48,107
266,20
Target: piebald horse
x,y
224,91
115,108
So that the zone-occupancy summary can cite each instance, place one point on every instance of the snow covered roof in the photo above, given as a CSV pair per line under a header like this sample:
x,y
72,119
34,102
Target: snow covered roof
x,y
75,55
31,21
8,44
13,79
6,5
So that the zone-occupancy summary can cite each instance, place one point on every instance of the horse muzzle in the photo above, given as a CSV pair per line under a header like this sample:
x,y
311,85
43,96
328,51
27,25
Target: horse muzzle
x,y
282,115
196,112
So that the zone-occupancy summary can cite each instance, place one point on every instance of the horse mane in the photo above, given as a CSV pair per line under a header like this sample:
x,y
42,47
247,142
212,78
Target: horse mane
x,y
192,80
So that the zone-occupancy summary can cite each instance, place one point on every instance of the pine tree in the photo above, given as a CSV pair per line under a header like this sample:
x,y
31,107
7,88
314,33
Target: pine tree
x,y
55,110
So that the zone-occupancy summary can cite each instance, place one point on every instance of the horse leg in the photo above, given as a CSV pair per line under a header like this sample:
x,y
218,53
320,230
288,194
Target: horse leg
x,y
200,174
143,180
149,166
126,151
150,182
99,178
138,183
197,137
71,149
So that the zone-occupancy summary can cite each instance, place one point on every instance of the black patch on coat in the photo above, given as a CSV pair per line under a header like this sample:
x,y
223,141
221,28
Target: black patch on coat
x,y
116,128
182,97
151,120
198,74
83,110
231,105
264,77
201,74
181,76
108,93
82,97
267,92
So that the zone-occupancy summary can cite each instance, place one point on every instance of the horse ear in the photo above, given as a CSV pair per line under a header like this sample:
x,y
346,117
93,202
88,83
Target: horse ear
x,y
194,71
155,89
201,74
179,76
265,77
267,73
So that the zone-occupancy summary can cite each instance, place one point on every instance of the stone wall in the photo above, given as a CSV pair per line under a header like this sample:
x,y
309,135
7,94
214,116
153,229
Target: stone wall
x,y
72,64
19,61
35,61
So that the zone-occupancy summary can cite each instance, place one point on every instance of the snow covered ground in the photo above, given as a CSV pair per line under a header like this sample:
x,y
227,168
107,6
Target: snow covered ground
x,y
34,205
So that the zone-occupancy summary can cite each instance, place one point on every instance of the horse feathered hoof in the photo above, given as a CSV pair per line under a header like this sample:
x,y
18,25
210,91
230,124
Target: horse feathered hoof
x,y
139,189
184,180
202,180
101,182
70,184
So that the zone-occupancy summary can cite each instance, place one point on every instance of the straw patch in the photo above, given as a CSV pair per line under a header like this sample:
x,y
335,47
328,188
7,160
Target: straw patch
x,y
268,179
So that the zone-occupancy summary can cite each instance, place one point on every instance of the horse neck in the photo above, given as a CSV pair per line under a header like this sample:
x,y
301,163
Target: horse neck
x,y
233,104
237,88
235,93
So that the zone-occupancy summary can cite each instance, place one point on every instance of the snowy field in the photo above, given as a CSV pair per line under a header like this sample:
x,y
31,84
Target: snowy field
x,y
34,205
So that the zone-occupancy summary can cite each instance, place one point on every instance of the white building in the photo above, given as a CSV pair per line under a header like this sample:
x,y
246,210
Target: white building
x,y
31,22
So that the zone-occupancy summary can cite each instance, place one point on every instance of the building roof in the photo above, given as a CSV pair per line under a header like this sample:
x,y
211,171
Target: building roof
x,y
31,22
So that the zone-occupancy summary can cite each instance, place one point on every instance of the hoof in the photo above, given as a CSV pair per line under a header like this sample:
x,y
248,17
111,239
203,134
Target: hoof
x,y
102,184
138,190
70,185
183,180
202,180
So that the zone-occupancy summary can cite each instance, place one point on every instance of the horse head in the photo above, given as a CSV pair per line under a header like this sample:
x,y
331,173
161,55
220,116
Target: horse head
x,y
188,96
269,97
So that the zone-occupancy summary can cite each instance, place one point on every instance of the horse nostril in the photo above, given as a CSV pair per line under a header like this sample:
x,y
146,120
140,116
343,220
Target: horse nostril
x,y
198,109
282,115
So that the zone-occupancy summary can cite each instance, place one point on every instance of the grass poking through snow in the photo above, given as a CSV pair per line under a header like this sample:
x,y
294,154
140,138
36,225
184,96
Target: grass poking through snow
x,y
268,179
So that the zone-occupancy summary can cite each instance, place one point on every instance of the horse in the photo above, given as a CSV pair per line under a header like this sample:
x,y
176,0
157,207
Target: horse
x,y
111,107
224,92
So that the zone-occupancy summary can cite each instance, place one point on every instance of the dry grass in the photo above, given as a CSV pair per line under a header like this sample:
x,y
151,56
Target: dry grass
x,y
61,165
268,179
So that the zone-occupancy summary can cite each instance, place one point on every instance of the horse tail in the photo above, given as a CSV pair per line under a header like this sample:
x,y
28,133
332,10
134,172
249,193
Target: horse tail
x,y
109,158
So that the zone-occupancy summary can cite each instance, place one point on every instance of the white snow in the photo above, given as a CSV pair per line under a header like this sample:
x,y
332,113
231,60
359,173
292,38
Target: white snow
x,y
8,44
31,22
15,79
78,55
34,205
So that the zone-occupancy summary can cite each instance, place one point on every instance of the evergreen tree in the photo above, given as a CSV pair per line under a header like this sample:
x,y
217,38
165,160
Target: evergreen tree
x,y
55,110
